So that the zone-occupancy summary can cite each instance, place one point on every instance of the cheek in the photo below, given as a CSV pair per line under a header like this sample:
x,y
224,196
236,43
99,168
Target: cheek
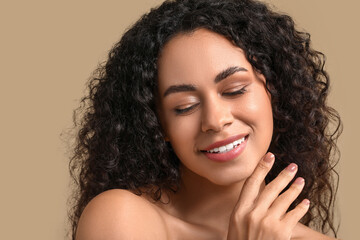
x,y
262,113
181,131
265,121
257,112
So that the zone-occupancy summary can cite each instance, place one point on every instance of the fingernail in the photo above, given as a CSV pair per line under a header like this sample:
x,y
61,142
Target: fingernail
x,y
299,181
306,202
269,158
292,167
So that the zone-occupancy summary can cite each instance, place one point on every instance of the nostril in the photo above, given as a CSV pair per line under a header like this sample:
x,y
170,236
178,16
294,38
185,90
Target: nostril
x,y
216,115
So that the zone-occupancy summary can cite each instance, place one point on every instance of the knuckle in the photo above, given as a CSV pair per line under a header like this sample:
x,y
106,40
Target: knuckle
x,y
271,187
267,223
262,165
295,189
284,178
235,218
303,208
292,192
286,174
252,218
274,188
252,180
269,227
238,216
299,211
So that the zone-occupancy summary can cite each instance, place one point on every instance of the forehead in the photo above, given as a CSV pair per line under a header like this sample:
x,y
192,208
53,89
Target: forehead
x,y
197,55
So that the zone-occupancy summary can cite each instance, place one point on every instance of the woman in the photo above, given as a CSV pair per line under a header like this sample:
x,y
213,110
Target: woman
x,y
208,121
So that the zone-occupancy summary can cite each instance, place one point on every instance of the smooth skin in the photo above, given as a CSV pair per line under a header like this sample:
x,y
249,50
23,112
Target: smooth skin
x,y
120,214
227,200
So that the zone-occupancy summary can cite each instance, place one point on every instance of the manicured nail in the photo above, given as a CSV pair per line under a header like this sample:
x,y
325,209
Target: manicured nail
x,y
269,158
299,181
306,202
292,167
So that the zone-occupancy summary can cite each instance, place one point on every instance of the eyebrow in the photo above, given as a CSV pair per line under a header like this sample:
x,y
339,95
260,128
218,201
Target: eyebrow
x,y
219,77
227,72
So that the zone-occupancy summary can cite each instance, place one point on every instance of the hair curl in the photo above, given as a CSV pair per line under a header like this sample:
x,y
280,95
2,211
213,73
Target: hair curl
x,y
120,142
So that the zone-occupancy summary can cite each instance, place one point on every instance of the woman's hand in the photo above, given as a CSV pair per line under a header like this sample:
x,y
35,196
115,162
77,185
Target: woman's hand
x,y
261,214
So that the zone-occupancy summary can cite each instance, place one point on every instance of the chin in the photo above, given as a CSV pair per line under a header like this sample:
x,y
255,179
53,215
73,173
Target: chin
x,y
228,178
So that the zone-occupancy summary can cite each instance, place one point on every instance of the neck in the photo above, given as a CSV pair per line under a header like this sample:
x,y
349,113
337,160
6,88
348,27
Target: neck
x,y
202,202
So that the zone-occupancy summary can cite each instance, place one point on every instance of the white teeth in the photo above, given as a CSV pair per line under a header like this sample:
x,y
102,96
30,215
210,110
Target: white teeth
x,y
228,147
222,149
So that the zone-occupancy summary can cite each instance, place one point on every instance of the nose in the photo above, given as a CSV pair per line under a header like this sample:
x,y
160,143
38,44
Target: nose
x,y
216,114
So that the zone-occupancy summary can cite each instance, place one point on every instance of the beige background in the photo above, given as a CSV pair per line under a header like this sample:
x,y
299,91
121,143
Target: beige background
x,y
48,51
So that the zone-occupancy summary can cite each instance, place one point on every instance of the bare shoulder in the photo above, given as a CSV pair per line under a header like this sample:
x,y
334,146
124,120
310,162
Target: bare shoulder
x,y
303,232
120,214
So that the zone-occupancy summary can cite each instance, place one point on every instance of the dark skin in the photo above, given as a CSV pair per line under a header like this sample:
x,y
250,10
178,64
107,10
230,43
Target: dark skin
x,y
225,199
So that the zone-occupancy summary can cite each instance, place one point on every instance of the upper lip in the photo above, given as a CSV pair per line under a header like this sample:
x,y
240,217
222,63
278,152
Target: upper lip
x,y
224,142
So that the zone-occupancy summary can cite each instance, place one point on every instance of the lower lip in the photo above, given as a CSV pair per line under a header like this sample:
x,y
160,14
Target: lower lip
x,y
227,156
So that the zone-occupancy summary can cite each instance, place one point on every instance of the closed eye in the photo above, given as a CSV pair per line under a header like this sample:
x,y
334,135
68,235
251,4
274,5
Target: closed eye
x,y
183,111
235,93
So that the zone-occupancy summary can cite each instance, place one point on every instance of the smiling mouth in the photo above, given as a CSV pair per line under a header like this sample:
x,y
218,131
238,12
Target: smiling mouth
x,y
227,147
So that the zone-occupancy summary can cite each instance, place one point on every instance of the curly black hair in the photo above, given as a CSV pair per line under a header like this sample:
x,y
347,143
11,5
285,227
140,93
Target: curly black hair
x,y
120,143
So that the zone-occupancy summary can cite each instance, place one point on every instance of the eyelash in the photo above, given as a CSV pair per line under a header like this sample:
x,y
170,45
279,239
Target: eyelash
x,y
183,111
238,92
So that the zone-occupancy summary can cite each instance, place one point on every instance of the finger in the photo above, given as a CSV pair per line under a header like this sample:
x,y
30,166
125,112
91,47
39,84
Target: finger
x,y
274,188
293,217
251,188
283,202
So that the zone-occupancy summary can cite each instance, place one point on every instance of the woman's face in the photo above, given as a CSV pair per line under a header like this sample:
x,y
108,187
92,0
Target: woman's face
x,y
213,107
